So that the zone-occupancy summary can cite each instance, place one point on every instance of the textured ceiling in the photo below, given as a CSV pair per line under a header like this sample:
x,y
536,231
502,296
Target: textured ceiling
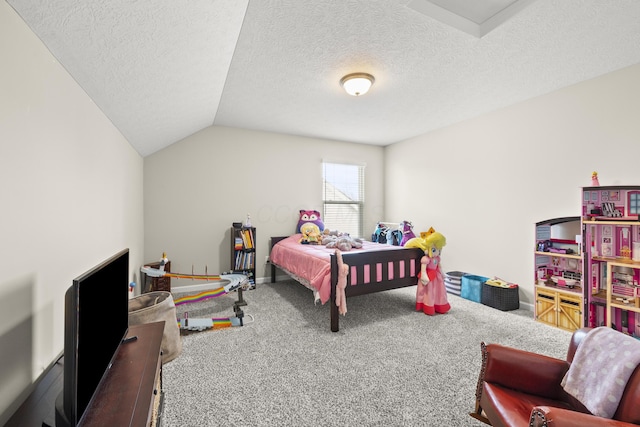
x,y
162,70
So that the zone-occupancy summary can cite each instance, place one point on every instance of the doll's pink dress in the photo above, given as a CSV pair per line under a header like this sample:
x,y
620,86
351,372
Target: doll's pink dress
x,y
432,297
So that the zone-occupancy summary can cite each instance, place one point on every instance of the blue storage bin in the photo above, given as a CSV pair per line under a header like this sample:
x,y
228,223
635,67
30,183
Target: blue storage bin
x,y
471,287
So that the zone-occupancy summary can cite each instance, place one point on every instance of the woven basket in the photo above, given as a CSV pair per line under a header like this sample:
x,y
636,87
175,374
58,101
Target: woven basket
x,y
504,299
155,307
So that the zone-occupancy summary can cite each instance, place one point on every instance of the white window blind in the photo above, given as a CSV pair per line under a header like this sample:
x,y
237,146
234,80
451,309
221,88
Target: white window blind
x,y
343,197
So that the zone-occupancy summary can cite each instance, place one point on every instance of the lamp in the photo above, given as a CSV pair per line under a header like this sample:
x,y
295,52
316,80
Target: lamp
x,y
357,84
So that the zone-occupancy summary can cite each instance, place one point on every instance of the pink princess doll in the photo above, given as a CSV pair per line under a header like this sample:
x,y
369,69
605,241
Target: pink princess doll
x,y
431,295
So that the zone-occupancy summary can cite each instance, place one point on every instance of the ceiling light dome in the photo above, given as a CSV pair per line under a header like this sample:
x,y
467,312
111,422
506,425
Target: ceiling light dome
x,y
357,84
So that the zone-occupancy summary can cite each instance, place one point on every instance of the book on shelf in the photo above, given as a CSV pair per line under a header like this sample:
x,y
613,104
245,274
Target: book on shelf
x,y
244,238
244,260
250,260
247,238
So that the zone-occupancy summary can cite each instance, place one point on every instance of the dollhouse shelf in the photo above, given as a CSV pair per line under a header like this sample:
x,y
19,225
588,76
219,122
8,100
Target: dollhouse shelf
x,y
620,262
570,256
610,222
555,304
576,290
624,306
612,302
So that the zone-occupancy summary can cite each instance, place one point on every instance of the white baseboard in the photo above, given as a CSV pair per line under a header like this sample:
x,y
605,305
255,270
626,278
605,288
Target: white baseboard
x,y
526,306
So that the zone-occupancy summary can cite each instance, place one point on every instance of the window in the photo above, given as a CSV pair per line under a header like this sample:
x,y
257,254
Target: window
x,y
634,203
343,197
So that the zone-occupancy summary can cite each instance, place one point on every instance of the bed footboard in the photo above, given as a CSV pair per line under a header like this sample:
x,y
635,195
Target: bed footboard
x,y
389,269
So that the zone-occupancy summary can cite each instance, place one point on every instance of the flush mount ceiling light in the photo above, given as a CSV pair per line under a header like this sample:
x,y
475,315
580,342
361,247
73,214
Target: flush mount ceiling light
x,y
357,84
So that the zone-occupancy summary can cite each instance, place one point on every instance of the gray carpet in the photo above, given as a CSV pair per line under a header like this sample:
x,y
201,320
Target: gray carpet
x,y
387,366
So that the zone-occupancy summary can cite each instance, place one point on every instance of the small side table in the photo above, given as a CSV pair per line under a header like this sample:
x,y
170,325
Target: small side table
x,y
152,284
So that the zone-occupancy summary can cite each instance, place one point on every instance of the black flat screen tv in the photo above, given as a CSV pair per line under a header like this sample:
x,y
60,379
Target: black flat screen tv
x,y
96,322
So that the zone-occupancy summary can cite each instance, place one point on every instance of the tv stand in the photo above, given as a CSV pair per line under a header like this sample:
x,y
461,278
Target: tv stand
x,y
129,394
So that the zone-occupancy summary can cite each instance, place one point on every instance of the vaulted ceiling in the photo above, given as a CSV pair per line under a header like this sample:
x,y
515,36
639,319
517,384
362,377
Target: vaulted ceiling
x,y
162,70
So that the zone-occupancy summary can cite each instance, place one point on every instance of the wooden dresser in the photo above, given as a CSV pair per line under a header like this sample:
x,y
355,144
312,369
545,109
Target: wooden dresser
x,y
132,390
130,394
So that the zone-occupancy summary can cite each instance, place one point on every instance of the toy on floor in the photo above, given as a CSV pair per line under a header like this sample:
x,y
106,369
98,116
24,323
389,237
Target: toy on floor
x,y
202,324
159,272
205,295
216,323
237,282
431,293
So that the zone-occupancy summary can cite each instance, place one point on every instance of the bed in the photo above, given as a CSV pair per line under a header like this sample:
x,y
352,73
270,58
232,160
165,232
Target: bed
x,y
373,268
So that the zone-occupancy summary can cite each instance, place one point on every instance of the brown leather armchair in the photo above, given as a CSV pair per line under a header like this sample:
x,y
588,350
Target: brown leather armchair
x,y
519,388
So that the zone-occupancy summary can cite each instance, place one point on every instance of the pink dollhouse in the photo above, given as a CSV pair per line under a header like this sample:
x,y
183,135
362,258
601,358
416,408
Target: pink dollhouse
x,y
611,239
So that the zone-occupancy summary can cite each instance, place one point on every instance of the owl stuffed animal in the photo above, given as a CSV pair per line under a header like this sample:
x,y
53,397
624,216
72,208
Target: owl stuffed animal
x,y
312,217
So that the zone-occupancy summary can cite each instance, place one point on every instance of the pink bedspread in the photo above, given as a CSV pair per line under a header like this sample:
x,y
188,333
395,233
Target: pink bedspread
x,y
313,262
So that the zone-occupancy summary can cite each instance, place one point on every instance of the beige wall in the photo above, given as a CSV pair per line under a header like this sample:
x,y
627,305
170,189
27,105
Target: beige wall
x,y
72,188
196,188
484,183
71,191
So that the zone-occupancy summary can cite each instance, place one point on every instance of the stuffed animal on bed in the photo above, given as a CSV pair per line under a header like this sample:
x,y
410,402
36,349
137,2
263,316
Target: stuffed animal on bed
x,y
310,234
407,232
309,217
380,233
344,242
329,236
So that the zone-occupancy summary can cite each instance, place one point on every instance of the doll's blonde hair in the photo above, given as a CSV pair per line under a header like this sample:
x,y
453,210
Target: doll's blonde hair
x,y
426,240
435,239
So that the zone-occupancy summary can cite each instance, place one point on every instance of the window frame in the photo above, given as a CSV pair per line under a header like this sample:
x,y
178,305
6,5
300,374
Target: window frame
x,y
358,203
633,202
